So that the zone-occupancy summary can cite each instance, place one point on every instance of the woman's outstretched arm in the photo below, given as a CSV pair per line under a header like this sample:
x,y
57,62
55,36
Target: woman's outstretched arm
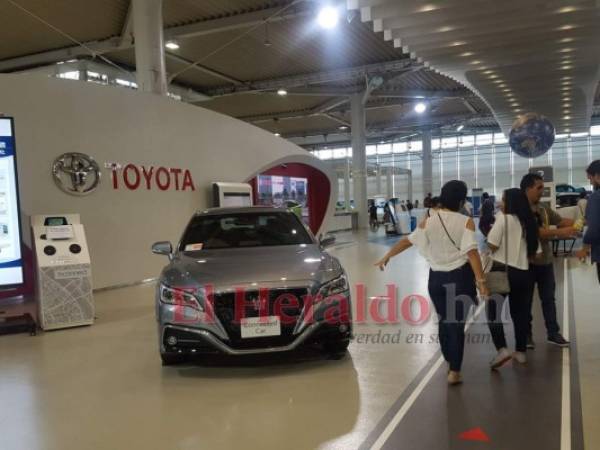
x,y
398,248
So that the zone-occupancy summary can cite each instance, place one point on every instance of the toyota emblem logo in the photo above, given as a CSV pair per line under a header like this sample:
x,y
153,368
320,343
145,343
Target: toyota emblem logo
x,y
258,303
76,173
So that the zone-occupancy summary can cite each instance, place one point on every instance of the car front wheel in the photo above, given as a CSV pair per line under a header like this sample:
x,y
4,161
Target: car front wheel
x,y
336,347
172,359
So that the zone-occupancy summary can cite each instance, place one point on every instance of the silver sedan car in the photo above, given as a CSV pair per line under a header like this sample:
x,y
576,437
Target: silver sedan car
x,y
250,280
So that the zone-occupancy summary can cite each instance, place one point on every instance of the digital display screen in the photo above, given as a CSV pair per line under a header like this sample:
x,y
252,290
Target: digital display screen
x,y
284,192
11,262
55,221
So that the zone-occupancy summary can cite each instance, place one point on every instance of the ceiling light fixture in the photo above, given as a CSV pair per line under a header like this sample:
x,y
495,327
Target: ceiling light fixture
x,y
460,128
427,8
567,9
328,17
420,108
566,27
342,127
172,45
566,40
566,67
277,134
467,54
282,92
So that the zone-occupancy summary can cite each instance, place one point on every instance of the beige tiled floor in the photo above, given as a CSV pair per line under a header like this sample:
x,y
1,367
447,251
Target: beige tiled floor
x,y
586,299
102,387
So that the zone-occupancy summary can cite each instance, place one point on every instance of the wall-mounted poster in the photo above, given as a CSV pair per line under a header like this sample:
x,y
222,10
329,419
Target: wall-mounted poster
x,y
11,263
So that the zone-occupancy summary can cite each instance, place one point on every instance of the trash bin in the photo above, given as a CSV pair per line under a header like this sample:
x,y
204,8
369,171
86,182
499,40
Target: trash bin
x,y
413,223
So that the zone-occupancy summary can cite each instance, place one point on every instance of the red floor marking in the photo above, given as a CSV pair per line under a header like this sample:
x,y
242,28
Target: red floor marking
x,y
475,434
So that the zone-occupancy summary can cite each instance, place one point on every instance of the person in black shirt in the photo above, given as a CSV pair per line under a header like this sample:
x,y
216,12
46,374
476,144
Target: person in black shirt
x,y
487,218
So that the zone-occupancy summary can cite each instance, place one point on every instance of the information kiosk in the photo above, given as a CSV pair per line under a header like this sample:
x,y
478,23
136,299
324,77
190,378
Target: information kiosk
x,y
64,275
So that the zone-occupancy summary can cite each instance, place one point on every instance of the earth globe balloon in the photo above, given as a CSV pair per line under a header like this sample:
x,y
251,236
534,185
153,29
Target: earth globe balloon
x,y
531,135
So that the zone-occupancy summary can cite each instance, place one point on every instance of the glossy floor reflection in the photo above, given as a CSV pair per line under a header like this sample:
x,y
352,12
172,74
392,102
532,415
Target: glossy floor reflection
x,y
102,387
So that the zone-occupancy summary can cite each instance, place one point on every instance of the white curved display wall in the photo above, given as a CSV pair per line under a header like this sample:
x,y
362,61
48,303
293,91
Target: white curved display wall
x,y
132,207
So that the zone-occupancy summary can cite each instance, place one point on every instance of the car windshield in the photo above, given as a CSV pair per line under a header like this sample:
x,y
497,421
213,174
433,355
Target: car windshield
x,y
243,230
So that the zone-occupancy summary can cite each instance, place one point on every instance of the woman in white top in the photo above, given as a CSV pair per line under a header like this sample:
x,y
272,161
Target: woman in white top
x,y
516,224
446,239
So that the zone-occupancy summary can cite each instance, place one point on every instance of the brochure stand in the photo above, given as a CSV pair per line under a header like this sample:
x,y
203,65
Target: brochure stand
x,y
64,276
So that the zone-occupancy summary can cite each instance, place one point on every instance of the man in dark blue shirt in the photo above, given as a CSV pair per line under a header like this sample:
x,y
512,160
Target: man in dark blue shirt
x,y
591,238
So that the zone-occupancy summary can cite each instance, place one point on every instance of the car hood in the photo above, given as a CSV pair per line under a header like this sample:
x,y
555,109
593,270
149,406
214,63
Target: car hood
x,y
290,265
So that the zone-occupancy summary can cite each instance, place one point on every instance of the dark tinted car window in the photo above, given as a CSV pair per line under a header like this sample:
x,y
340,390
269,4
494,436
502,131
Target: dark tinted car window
x,y
245,230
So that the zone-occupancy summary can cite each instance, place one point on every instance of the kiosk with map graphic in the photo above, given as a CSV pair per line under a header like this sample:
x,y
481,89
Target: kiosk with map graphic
x,y
64,274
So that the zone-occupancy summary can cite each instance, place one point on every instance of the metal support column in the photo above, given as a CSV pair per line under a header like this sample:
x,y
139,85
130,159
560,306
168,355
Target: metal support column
x,y
82,69
347,184
389,182
149,46
427,164
359,159
378,186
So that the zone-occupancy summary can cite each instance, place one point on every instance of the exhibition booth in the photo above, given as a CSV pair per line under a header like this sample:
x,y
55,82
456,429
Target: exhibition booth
x,y
134,167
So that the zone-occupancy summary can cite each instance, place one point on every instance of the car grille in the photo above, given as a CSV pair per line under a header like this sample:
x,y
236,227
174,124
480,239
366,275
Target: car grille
x,y
224,306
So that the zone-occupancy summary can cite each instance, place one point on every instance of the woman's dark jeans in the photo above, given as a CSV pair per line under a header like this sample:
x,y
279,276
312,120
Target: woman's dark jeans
x,y
452,294
519,298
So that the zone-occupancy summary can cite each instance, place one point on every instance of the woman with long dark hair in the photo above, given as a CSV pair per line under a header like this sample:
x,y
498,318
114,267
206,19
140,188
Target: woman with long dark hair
x,y
446,239
514,241
486,218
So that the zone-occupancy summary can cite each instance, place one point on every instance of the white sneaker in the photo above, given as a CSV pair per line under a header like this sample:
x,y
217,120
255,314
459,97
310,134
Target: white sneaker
x,y
520,357
501,358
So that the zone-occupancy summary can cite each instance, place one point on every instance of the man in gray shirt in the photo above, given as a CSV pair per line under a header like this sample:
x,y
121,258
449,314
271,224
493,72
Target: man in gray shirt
x,y
542,269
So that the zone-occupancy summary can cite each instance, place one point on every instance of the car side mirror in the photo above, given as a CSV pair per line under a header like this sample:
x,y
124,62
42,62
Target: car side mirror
x,y
327,241
162,248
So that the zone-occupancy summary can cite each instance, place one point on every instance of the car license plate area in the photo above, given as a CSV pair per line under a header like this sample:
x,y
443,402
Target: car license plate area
x,y
257,327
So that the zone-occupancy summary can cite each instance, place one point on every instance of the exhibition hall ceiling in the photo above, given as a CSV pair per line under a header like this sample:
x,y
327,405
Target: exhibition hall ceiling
x,y
245,51
534,56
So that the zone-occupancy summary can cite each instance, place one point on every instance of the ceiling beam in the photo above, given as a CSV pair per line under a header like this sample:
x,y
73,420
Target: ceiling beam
x,y
236,22
468,105
331,106
127,29
317,91
204,69
376,130
338,120
372,84
122,42
329,76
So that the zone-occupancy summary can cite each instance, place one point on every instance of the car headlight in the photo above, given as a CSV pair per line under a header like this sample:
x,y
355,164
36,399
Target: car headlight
x,y
333,287
179,297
